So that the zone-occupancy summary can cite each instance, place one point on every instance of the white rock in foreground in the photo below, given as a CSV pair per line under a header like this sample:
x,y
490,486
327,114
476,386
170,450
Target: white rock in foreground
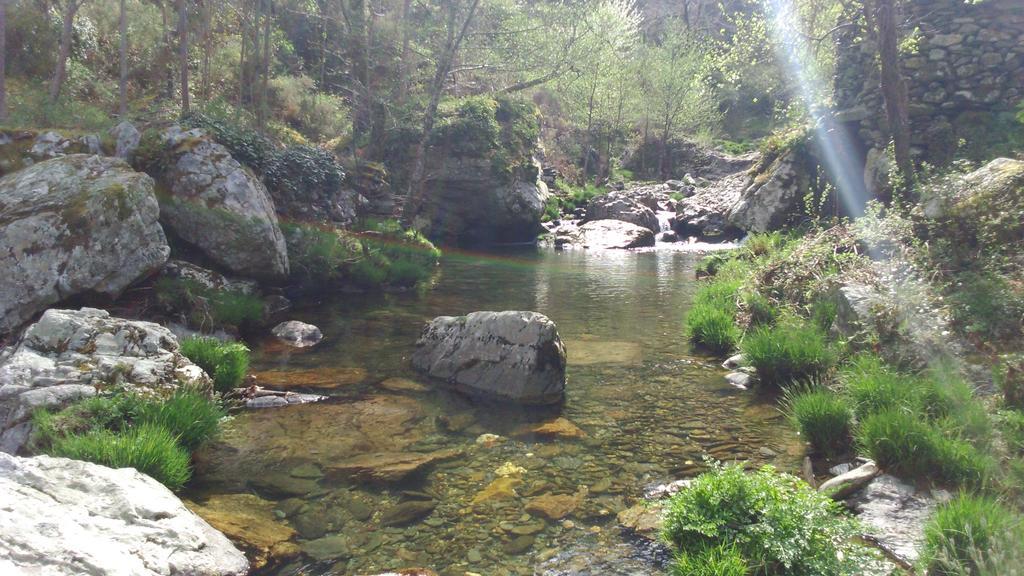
x,y
60,516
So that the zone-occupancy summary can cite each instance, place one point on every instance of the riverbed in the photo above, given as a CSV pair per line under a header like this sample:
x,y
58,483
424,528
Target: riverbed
x,y
641,408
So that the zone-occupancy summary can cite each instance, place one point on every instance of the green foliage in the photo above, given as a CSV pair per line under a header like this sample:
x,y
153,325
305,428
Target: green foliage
x,y
370,272
874,387
710,264
468,127
148,448
824,312
319,256
710,321
824,419
30,107
1009,376
776,522
245,144
208,308
984,303
225,362
973,536
190,417
94,413
788,352
303,173
760,309
764,244
721,560
317,115
1011,424
552,209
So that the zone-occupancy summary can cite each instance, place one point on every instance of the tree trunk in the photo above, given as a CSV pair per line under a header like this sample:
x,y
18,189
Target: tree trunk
x,y
358,40
436,89
183,55
3,60
122,81
404,64
66,34
894,88
204,67
167,52
262,111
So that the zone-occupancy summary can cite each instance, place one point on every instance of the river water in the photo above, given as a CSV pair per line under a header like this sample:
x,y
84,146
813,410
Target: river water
x,y
650,410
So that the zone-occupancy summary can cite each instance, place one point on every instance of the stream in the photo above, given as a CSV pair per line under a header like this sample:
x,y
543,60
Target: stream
x,y
643,407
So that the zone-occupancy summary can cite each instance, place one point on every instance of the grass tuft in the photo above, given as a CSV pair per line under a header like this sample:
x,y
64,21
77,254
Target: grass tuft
x,y
823,418
710,322
225,362
975,536
189,416
788,352
148,448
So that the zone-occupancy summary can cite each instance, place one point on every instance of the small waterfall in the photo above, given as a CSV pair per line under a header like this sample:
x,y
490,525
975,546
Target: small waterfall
x,y
664,220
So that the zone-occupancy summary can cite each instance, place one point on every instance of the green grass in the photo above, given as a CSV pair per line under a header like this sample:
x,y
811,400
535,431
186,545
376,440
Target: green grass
x,y
788,352
776,522
232,308
874,387
906,444
721,560
710,322
209,308
191,417
225,362
760,308
1011,424
973,536
148,448
823,418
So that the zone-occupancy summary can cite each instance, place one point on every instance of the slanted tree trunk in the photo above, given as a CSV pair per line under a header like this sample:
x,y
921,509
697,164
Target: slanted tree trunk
x,y
444,66
894,88
122,81
3,60
183,55
64,52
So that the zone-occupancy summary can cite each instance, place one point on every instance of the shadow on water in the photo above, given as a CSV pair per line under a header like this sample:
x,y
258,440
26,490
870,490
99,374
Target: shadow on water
x,y
641,409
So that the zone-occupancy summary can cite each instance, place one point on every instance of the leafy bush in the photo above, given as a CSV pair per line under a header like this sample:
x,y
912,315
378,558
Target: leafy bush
x,y
973,535
225,362
787,352
823,418
191,417
300,172
297,102
148,448
468,126
775,521
721,560
710,321
245,144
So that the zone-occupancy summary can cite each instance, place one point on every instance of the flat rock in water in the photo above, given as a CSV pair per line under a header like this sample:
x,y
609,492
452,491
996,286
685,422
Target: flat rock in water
x,y
326,377
67,517
403,385
559,428
249,520
842,486
385,467
328,548
503,488
645,519
298,334
407,512
894,515
555,506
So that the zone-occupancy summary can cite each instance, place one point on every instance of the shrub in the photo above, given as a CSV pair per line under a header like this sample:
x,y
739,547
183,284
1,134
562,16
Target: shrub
x,y
972,535
875,387
775,521
148,448
191,417
302,173
824,312
984,303
225,362
245,144
371,271
823,418
318,257
208,307
787,352
721,560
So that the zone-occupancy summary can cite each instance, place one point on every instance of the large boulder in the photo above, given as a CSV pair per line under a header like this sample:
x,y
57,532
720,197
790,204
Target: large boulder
x,y
74,225
621,205
612,235
69,354
510,355
894,514
214,203
704,215
63,516
774,198
465,202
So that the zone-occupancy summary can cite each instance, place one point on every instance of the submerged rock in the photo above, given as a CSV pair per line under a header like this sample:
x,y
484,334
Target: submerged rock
x,y
220,207
74,225
385,467
298,334
555,506
69,517
510,355
407,512
250,522
559,428
69,354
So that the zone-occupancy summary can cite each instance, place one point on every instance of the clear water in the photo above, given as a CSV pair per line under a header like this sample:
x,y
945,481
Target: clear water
x,y
651,410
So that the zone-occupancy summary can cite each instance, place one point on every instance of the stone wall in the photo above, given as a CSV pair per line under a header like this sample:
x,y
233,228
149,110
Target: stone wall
x,y
964,70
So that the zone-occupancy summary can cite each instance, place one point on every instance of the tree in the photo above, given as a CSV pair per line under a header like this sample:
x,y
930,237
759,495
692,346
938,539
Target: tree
x,y
122,84
183,55
68,9
455,34
3,60
894,88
